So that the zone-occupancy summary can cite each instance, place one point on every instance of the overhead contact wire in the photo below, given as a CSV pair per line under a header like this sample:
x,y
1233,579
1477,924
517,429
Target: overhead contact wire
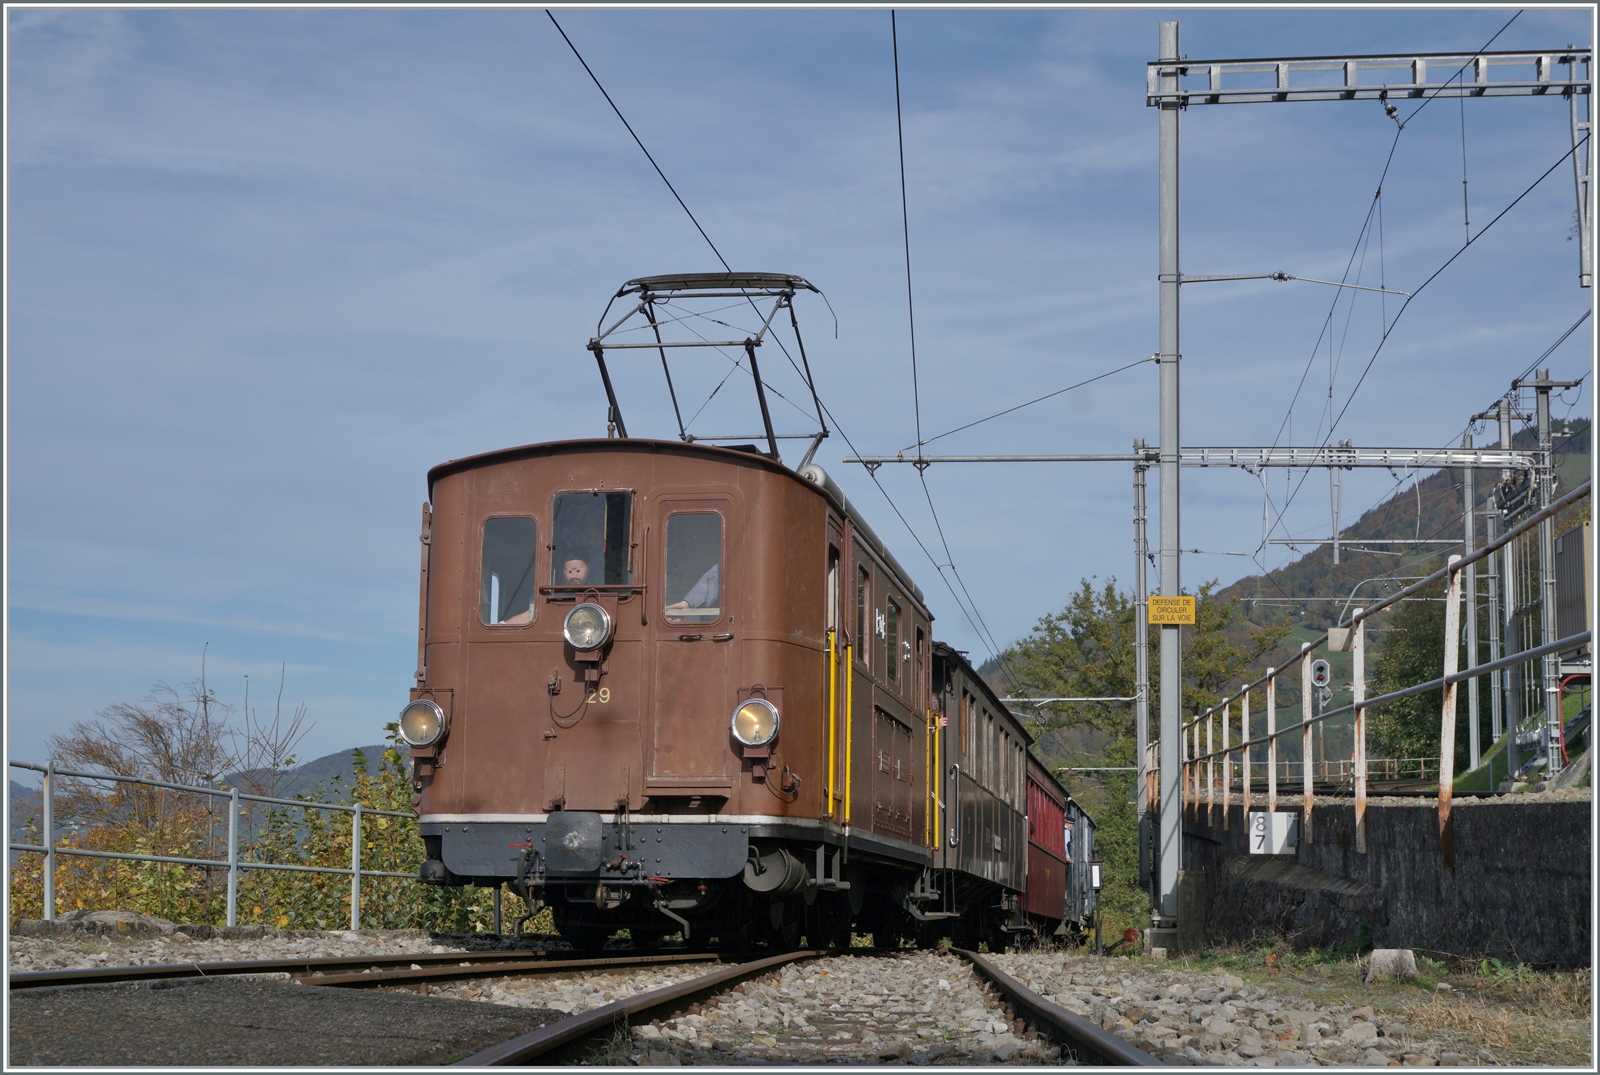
x,y
1404,306
985,634
1377,202
638,141
977,630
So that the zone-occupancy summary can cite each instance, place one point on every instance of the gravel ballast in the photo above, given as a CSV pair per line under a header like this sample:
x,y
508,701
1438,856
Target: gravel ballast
x,y
916,1007
1205,1017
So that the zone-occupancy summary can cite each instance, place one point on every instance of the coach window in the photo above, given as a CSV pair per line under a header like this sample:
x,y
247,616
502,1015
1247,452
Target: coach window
x,y
988,750
863,601
694,567
833,589
916,696
892,649
507,581
591,539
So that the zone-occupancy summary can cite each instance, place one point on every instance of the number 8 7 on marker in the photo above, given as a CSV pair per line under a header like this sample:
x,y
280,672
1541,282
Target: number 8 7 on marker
x,y
1273,833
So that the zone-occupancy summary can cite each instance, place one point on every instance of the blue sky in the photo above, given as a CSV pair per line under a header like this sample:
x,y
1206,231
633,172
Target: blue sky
x,y
268,266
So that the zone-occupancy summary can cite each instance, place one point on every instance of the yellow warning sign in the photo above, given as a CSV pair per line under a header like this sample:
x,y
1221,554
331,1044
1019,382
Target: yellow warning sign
x,y
1170,610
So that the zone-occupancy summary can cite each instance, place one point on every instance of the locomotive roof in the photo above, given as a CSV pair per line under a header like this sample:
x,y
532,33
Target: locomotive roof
x,y
825,487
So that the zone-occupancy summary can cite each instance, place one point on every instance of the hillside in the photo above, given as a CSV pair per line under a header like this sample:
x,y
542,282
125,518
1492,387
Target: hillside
x,y
326,778
1430,508
1310,593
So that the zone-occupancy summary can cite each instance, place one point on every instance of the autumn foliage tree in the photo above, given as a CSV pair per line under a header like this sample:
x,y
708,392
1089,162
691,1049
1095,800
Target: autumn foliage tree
x,y
187,735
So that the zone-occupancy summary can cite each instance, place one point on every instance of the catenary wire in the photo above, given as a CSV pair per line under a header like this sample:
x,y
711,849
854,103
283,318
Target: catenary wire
x,y
1407,303
911,319
1031,402
1378,204
982,633
637,141
905,229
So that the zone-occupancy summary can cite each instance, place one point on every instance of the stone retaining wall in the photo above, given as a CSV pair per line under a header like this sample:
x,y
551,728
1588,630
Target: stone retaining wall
x,y
1520,888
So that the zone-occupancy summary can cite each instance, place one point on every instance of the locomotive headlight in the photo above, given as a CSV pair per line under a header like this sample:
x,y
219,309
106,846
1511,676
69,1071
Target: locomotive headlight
x,y
755,723
422,723
587,627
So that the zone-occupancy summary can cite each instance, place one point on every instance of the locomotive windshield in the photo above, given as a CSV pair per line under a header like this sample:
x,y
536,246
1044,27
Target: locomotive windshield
x,y
506,595
694,567
591,537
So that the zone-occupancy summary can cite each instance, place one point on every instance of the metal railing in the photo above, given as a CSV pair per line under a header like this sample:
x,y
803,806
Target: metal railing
x,y
1341,772
233,864
1198,775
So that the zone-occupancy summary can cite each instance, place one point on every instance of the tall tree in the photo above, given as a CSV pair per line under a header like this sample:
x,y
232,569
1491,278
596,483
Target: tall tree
x,y
1087,650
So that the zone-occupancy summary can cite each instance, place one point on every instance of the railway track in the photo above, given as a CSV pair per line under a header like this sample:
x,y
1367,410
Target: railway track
x,y
573,1038
1088,1043
361,971
1080,1039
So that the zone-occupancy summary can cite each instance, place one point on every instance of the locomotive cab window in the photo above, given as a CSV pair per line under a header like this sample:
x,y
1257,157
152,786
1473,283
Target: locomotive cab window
x,y
694,567
591,536
507,580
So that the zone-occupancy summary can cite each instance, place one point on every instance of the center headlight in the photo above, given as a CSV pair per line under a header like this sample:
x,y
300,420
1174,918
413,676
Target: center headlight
x,y
755,723
587,627
422,723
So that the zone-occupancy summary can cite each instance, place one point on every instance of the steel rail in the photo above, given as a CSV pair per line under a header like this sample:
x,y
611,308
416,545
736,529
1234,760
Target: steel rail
x,y
1092,1044
100,975
528,1048
504,969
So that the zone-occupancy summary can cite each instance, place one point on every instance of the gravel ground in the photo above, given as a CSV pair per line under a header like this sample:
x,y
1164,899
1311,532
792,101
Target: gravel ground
x,y
250,1020
916,1008
1200,1017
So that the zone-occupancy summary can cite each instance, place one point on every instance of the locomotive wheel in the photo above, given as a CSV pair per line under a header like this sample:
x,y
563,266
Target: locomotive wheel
x,y
784,934
929,934
582,935
647,938
828,921
888,930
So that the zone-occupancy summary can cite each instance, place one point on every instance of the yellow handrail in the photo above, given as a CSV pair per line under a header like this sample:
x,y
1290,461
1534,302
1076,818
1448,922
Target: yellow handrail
x,y
849,714
935,780
833,721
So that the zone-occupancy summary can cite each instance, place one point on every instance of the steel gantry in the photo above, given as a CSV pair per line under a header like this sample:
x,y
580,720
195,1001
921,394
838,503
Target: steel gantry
x,y
1343,457
1171,87
1553,72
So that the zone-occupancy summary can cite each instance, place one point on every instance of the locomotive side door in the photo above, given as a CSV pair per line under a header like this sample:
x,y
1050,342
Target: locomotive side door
x,y
691,595
892,774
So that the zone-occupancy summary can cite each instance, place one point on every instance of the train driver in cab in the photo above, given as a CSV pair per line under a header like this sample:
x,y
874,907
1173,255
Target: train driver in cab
x,y
703,595
575,572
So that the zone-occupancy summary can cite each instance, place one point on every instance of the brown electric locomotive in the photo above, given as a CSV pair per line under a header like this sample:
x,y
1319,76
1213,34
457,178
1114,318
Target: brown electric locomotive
x,y
682,689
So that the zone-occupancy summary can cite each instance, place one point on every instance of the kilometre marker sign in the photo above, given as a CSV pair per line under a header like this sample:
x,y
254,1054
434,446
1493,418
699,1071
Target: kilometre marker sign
x,y
1167,610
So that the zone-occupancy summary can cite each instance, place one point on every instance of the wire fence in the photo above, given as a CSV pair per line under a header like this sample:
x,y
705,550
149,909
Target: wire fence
x,y
50,848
